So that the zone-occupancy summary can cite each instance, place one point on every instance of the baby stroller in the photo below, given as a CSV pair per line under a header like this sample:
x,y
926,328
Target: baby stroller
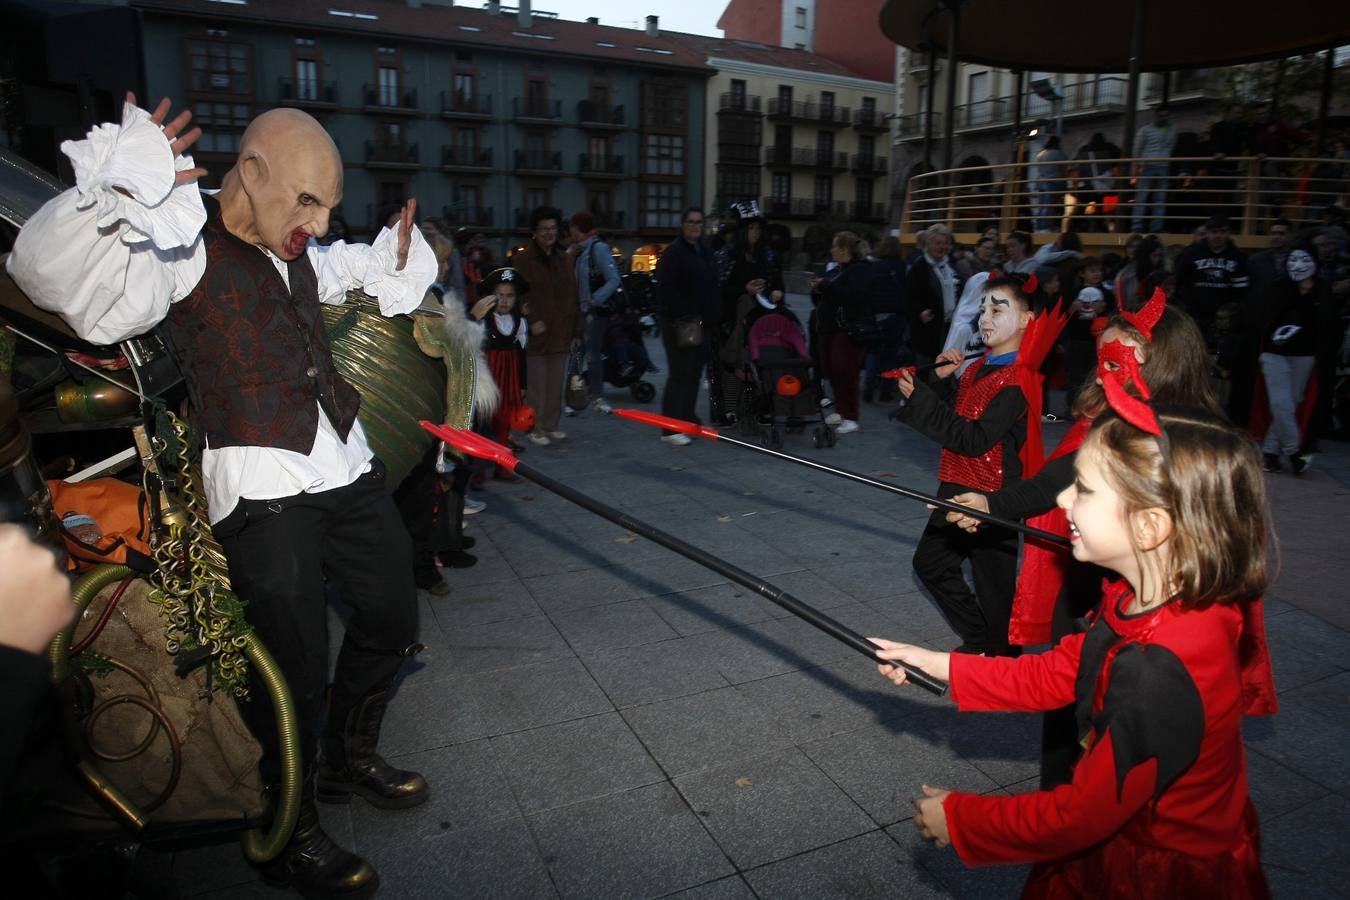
x,y
779,389
624,354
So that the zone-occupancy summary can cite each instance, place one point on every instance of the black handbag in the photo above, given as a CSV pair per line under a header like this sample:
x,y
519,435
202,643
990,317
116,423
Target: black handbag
x,y
863,331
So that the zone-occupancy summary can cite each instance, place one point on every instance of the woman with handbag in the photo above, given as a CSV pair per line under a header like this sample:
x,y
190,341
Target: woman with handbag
x,y
686,279
844,322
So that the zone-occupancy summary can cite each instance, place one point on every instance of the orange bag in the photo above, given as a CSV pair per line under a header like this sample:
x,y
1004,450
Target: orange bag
x,y
103,520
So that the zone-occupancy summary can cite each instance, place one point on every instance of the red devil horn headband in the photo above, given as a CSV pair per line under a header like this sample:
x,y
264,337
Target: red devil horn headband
x,y
1117,367
1030,285
1148,315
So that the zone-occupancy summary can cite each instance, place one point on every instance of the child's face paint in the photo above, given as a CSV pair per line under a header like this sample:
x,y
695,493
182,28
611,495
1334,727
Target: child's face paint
x,y
1002,321
506,298
1099,530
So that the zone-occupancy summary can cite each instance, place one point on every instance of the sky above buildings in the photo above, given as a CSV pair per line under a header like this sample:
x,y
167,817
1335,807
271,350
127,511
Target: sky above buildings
x,y
693,16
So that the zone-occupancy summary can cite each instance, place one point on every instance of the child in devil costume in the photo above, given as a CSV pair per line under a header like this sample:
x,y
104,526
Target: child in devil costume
x,y
1158,807
1054,591
505,333
988,423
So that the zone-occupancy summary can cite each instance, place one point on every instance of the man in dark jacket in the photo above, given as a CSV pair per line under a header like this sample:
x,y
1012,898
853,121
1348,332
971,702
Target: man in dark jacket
x,y
686,279
930,295
1210,275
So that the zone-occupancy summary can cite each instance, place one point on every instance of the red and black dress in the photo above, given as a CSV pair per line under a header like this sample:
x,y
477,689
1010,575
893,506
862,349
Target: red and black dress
x,y
1158,805
504,338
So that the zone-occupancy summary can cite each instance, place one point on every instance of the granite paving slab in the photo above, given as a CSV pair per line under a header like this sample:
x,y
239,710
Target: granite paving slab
x,y
867,867
573,761
883,771
534,695
497,861
687,734
646,842
764,808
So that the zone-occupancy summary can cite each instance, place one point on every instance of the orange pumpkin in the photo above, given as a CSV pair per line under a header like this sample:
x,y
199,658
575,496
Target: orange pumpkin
x,y
789,385
522,419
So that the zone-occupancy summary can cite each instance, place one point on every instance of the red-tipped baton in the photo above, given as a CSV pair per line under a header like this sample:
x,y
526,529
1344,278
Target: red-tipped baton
x,y
483,448
683,427
901,372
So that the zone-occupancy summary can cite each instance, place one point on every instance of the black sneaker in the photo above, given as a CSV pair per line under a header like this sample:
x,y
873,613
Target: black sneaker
x,y
1299,462
1272,462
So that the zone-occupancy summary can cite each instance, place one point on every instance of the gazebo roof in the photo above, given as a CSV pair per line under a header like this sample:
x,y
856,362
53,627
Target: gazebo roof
x,y
1052,36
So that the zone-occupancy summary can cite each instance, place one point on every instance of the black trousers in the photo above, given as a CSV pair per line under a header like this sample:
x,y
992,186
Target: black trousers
x,y
684,368
980,616
434,529
281,553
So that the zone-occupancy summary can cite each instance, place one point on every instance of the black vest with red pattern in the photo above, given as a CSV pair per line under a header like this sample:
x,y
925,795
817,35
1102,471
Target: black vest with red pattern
x,y
254,353
985,472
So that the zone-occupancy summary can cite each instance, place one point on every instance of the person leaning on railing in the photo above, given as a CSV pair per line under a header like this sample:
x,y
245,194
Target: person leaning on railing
x,y
1153,144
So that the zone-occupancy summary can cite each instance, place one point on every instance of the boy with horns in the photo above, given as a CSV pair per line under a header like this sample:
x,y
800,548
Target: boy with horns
x,y
988,424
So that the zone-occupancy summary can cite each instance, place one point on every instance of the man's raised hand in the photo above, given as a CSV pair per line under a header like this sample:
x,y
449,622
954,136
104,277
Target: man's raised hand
x,y
179,141
405,227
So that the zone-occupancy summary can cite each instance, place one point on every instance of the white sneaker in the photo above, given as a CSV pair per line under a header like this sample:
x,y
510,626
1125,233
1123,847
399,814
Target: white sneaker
x,y
846,426
677,439
835,419
601,405
569,411
538,437
472,506
556,435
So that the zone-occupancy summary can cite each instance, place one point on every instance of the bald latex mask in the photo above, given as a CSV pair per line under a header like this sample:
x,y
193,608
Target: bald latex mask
x,y
285,184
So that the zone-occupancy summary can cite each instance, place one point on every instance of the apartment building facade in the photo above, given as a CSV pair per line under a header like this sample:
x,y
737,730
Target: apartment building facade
x,y
481,114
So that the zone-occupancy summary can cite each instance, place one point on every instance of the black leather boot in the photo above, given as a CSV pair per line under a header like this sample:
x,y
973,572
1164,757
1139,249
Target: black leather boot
x,y
348,763
314,865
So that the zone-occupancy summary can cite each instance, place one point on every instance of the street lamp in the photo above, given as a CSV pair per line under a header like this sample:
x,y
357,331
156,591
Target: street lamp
x,y
1050,90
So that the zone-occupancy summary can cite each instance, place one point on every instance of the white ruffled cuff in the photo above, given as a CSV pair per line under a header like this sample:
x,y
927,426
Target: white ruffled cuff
x,y
399,291
135,157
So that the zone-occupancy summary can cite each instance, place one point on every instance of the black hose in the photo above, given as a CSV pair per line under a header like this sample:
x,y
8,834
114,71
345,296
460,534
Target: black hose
x,y
830,626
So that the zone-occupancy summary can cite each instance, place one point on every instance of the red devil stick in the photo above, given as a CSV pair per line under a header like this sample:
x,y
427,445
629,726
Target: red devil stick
x,y
483,448
647,418
927,367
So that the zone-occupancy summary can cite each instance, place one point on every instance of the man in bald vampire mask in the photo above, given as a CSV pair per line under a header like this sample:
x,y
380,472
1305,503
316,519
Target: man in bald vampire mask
x,y
295,496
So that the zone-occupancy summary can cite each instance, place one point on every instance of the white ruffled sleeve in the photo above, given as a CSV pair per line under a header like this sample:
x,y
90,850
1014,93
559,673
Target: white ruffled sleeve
x,y
135,157
109,262
342,267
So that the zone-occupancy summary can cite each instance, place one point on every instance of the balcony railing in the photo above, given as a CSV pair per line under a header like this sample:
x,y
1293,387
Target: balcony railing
x,y
599,114
384,97
739,103
806,208
472,216
466,157
911,126
869,164
809,157
378,153
534,161
745,154
1185,85
307,91
918,63
595,164
809,111
1252,191
866,212
544,110
454,103
870,120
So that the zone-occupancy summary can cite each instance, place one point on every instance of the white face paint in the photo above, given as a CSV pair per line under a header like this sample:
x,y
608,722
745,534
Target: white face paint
x,y
1002,321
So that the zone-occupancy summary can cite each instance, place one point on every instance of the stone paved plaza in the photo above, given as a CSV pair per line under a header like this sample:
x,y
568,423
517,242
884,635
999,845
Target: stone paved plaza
x,y
600,718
